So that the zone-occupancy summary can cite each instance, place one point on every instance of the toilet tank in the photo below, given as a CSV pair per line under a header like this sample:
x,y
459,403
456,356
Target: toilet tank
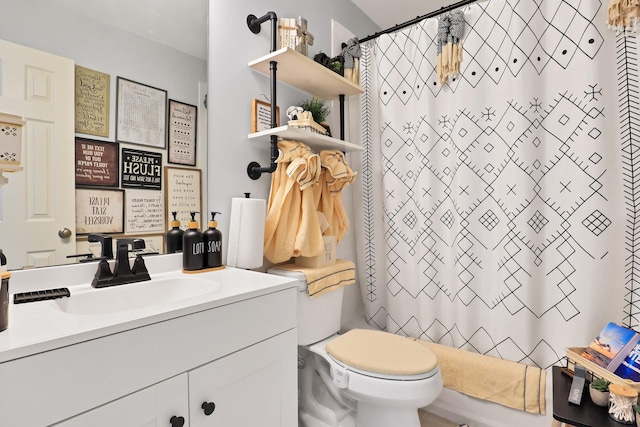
x,y
318,317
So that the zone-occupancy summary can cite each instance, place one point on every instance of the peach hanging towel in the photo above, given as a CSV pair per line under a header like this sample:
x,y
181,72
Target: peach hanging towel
x,y
292,227
336,174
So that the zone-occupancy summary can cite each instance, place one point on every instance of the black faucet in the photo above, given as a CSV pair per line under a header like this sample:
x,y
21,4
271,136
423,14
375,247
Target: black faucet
x,y
88,257
136,244
122,272
106,245
106,248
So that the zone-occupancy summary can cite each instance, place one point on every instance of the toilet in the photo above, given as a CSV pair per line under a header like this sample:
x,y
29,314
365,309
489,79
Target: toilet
x,y
362,378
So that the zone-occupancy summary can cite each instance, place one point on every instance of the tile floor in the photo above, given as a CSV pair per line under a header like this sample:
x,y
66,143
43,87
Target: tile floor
x,y
428,419
433,420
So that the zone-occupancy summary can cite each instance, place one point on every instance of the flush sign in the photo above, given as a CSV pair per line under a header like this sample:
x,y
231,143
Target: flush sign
x,y
141,169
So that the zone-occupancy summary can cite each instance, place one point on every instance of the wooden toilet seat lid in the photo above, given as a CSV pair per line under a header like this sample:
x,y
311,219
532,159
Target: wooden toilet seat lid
x,y
382,352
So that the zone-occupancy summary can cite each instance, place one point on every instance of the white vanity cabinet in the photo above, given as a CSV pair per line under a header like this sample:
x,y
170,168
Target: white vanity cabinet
x,y
163,404
239,356
248,388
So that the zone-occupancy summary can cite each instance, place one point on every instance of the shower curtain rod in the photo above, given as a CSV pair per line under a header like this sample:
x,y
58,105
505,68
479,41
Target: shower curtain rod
x,y
440,11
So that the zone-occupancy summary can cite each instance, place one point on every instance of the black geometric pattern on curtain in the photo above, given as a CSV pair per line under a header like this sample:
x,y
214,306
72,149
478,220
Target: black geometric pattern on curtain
x,y
494,44
367,175
512,221
463,145
628,85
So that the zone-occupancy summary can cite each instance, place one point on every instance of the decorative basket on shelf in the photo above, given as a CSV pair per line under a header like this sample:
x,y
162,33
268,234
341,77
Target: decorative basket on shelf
x,y
574,358
305,121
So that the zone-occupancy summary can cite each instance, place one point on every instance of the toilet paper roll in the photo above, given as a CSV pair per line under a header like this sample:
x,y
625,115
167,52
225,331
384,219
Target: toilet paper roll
x,y
246,233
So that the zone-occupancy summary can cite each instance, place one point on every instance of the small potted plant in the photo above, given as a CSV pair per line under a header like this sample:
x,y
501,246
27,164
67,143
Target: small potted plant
x,y
318,110
599,391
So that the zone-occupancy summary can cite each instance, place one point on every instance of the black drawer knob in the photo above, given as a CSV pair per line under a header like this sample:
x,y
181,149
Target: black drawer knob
x,y
177,421
208,407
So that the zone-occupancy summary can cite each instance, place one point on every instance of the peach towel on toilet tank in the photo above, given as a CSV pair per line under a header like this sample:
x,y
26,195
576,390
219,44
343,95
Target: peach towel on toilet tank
x,y
325,279
508,383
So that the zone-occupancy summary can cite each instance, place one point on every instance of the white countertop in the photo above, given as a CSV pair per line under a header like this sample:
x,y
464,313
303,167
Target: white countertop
x,y
37,327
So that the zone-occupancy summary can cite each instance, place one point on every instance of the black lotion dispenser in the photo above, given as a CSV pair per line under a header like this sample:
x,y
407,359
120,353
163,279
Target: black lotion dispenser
x,y
174,236
193,253
213,243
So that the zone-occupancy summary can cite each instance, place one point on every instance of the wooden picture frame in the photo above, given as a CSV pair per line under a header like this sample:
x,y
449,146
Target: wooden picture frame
x,y
261,116
99,211
141,114
97,163
183,128
183,194
144,212
153,242
92,99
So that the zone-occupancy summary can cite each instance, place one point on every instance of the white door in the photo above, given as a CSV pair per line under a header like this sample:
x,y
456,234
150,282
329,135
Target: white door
x,y
39,200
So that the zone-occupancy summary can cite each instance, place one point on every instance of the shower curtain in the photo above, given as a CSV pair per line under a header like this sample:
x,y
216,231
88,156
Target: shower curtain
x,y
497,212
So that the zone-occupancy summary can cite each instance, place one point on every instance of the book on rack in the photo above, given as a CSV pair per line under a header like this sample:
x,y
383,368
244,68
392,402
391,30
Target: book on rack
x,y
611,346
629,369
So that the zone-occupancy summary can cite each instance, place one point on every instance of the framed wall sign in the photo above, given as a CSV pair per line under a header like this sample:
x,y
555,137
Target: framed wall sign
x,y
92,101
141,114
144,212
97,163
99,211
182,133
261,116
153,242
141,169
183,193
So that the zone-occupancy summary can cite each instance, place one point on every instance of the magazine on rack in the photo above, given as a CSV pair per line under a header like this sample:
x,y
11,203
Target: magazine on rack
x,y
611,346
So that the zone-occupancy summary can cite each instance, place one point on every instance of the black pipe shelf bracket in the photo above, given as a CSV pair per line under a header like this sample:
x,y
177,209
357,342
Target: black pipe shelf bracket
x,y
254,170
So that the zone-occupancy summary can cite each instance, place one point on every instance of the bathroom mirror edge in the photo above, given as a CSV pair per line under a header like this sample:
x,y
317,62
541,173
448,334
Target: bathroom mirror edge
x,y
60,28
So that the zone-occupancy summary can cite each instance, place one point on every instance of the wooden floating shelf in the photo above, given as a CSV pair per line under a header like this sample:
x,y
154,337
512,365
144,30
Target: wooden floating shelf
x,y
314,140
304,73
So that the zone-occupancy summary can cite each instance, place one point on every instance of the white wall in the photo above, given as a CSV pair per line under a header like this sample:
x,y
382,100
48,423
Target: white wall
x,y
43,25
232,86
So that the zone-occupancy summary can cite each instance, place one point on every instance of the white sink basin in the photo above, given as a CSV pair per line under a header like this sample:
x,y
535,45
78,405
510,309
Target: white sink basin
x,y
134,296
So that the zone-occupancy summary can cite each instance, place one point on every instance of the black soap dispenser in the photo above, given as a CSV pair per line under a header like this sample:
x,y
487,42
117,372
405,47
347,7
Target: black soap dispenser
x,y
192,246
174,236
3,261
213,243
4,293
